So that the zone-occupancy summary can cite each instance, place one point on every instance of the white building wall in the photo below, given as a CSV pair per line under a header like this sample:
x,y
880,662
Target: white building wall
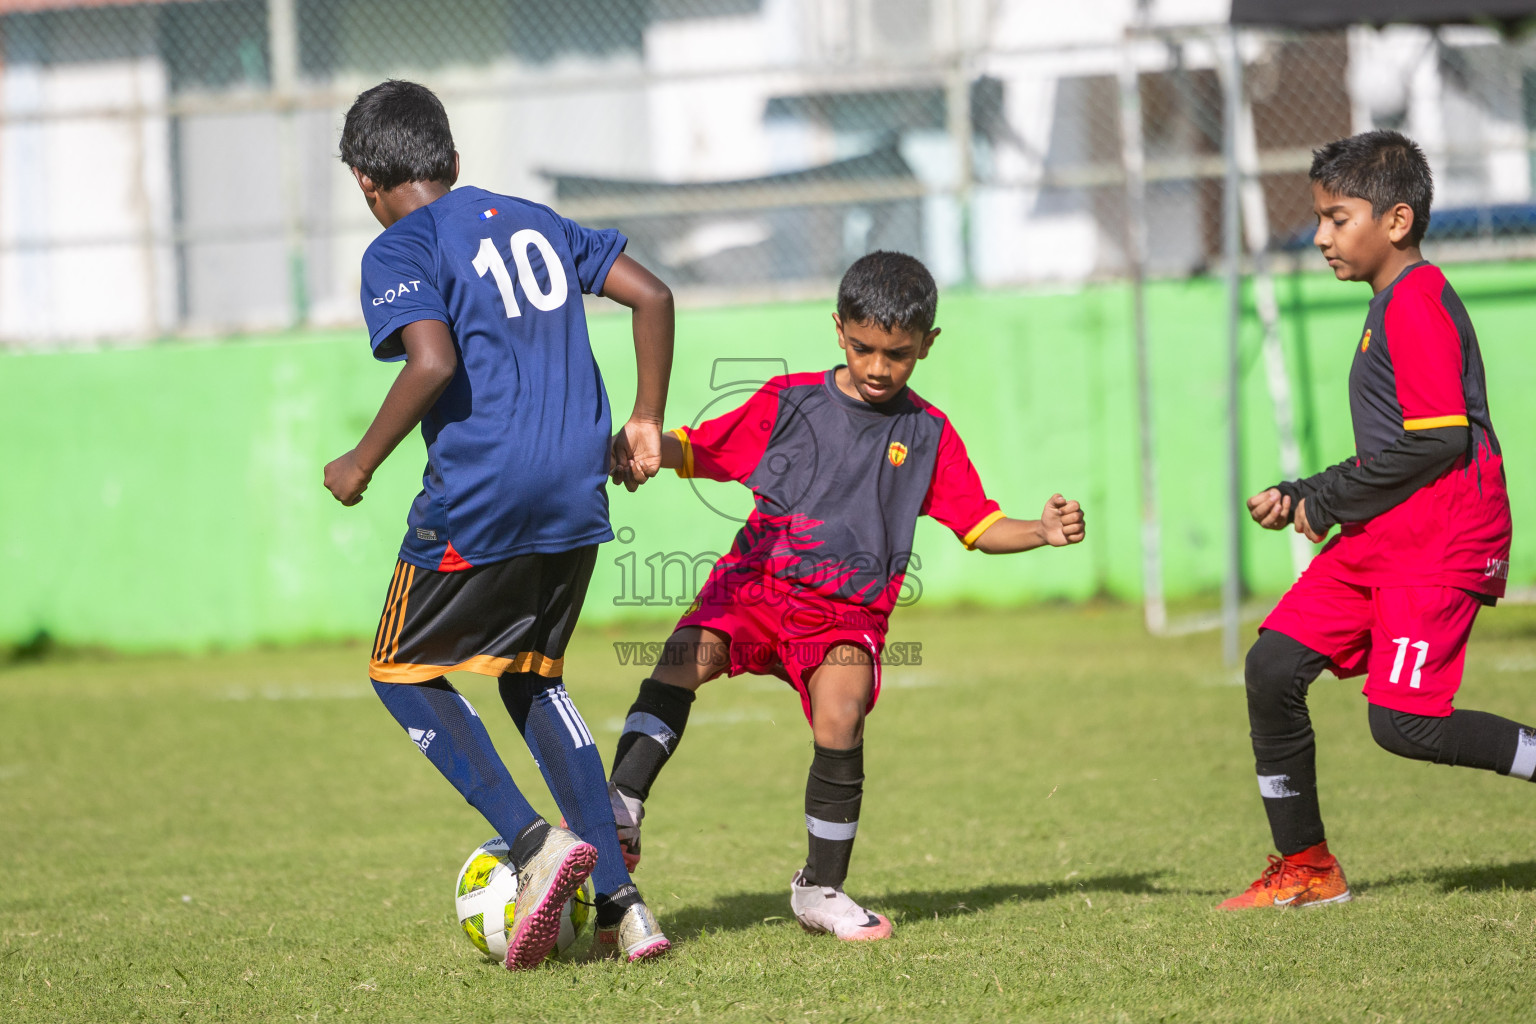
x,y
79,199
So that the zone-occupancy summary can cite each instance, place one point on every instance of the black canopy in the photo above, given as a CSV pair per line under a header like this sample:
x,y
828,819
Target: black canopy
x,y
1319,14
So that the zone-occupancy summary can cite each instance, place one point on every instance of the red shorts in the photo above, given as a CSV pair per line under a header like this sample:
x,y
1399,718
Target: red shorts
x,y
775,629
1410,642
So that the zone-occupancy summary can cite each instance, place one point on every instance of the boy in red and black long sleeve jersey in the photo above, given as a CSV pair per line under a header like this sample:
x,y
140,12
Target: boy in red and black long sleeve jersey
x,y
1425,526
841,463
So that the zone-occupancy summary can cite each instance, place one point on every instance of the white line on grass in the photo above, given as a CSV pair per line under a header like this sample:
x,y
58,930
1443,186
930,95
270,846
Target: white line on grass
x,y
735,717
293,693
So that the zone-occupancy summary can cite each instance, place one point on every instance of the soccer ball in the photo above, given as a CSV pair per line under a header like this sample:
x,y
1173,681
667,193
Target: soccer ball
x,y
486,897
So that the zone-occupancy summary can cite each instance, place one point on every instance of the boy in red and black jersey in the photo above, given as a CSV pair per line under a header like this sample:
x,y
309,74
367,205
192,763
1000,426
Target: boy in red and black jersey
x,y
1425,525
840,463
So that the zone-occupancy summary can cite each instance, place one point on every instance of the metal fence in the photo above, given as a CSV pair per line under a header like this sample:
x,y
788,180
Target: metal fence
x,y
170,168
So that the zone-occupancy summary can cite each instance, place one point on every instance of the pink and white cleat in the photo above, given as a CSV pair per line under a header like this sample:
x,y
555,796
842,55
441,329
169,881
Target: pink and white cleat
x,y
549,878
821,908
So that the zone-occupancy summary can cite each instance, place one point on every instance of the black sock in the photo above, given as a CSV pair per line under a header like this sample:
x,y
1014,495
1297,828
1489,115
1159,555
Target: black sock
x,y
833,792
610,908
1279,670
527,843
651,735
1471,739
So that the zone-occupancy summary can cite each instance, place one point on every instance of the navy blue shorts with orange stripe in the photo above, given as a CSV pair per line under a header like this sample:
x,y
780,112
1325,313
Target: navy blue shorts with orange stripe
x,y
511,616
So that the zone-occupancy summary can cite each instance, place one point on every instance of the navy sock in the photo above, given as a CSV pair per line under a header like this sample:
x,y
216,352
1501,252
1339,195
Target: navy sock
x,y
563,748
449,731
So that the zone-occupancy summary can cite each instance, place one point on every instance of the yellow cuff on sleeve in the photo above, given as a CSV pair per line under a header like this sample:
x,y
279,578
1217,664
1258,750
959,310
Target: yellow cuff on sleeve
x,y
1431,422
686,469
975,532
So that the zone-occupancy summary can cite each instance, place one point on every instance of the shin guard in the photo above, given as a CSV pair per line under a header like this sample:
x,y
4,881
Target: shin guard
x,y
1278,673
448,730
560,742
651,734
834,791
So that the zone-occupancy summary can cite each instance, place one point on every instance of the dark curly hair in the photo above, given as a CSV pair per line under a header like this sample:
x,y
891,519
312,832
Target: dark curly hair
x,y
890,289
398,132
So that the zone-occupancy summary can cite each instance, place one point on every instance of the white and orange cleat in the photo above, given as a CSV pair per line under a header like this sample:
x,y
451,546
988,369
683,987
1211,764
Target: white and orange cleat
x,y
821,908
1311,878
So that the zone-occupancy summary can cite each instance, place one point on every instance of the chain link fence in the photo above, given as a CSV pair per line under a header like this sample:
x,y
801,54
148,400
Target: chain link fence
x,y
170,168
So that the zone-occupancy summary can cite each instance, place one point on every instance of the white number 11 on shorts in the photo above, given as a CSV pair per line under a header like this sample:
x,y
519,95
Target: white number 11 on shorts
x,y
1403,643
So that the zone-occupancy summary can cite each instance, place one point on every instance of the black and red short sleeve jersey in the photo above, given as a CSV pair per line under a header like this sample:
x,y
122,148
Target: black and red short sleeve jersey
x,y
1417,367
838,484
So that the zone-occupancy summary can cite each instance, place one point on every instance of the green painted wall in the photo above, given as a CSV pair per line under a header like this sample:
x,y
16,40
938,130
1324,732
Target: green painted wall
x,y
170,496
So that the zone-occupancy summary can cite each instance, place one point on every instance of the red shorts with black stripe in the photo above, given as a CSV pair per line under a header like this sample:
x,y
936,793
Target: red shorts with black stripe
x,y
1410,643
776,629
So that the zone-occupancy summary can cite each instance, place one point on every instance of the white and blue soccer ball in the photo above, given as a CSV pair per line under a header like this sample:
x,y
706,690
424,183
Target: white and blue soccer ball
x,y
485,899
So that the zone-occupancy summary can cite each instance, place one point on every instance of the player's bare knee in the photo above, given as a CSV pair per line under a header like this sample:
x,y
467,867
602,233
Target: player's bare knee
x,y
838,726
692,657
686,676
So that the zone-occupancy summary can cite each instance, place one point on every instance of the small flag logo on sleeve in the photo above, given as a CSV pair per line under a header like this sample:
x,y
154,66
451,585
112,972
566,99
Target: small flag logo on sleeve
x,y
488,214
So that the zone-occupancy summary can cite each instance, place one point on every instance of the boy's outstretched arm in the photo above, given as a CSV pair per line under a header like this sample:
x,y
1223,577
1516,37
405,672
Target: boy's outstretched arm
x,y
1412,461
1352,491
1274,508
1059,525
430,363
636,455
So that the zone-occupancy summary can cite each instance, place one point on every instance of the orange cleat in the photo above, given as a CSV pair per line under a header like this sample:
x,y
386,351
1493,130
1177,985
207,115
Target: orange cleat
x,y
1310,878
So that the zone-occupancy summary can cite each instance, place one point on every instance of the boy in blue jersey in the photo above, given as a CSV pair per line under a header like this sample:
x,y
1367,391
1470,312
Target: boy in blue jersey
x,y
480,294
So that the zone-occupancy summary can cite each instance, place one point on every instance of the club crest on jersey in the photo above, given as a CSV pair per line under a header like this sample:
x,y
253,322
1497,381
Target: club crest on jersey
x,y
1365,342
897,453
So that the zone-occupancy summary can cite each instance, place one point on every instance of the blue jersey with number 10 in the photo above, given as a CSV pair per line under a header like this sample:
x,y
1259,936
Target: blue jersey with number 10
x,y
517,446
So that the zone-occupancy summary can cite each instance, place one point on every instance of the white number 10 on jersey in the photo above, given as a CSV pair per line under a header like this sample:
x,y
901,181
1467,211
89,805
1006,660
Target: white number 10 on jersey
x,y
489,259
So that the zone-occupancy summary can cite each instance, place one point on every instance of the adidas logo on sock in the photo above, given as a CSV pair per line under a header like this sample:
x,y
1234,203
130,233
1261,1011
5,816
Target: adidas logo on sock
x,y
421,737
580,736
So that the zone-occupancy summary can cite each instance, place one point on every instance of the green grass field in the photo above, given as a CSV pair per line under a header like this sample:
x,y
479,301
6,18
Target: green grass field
x,y
1055,803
